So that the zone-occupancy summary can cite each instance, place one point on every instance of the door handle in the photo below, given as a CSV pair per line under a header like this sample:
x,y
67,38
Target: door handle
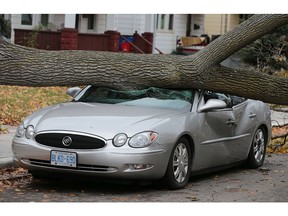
x,y
230,122
252,115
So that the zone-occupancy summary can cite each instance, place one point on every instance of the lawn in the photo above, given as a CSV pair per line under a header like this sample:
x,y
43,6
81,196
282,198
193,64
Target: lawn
x,y
18,102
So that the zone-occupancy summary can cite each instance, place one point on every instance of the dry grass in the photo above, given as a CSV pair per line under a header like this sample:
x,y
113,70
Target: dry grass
x,y
18,102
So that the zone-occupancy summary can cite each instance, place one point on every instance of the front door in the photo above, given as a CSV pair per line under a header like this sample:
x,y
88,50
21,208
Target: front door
x,y
218,139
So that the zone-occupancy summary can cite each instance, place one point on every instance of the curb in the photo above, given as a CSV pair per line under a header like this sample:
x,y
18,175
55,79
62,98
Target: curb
x,y
6,162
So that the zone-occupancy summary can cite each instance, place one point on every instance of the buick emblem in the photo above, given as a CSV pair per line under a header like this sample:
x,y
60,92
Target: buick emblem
x,y
66,141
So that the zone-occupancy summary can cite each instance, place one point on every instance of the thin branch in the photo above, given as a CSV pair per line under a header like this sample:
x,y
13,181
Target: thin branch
x,y
279,136
279,110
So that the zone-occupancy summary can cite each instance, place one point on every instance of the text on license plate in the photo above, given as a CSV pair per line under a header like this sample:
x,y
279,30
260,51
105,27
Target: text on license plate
x,y
60,158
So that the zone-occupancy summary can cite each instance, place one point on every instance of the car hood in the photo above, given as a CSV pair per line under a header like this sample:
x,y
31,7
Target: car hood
x,y
105,120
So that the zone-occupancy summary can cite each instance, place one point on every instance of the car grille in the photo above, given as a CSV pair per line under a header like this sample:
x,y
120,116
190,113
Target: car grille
x,y
81,167
75,141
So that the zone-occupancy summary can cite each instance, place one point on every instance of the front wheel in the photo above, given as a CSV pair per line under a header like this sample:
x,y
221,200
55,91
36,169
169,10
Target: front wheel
x,y
179,166
258,149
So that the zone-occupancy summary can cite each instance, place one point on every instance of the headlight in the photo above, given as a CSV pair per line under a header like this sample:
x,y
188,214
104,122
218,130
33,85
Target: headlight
x,y
119,139
143,139
20,130
29,132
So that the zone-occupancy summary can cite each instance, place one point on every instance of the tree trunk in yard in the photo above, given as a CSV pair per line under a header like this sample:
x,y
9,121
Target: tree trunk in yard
x,y
30,67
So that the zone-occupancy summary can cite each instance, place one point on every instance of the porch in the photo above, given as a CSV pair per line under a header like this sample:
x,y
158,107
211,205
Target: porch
x,y
71,39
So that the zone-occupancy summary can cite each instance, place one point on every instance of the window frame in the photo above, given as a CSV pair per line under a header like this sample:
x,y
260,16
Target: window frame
x,y
90,20
22,20
43,19
165,23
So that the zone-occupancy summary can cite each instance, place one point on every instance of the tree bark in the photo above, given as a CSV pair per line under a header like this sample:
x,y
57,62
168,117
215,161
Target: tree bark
x,y
30,67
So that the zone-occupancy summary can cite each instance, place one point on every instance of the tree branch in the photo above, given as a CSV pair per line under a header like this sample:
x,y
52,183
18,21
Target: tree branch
x,y
241,36
30,67
244,83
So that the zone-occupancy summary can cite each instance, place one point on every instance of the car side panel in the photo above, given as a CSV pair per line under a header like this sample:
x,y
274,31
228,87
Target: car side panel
x,y
215,139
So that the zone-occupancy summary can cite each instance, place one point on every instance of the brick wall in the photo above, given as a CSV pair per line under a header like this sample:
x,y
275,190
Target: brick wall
x,y
69,39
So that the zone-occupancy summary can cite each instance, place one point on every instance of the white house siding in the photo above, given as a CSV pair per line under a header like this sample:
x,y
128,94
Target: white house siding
x,y
197,19
166,41
213,24
129,23
217,24
101,22
112,22
233,21
57,20
180,21
149,22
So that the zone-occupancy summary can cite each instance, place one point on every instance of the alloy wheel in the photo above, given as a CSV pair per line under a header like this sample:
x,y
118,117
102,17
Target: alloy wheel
x,y
259,145
180,162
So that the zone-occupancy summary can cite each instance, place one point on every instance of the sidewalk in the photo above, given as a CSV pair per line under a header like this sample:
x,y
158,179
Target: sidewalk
x,y
6,155
279,118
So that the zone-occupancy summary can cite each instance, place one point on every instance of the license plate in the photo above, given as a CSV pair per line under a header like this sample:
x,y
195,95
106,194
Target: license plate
x,y
67,159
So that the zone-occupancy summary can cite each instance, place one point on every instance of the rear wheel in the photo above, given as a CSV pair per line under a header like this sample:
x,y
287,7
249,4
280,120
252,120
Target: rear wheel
x,y
179,166
258,149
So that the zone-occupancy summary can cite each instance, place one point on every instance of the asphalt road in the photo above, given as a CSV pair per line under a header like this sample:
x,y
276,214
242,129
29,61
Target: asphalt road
x,y
266,184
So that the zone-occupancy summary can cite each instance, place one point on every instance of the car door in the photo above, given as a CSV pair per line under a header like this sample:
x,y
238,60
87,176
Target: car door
x,y
217,134
245,116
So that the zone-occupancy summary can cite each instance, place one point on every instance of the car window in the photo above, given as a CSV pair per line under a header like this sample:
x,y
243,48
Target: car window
x,y
230,100
149,97
237,100
213,95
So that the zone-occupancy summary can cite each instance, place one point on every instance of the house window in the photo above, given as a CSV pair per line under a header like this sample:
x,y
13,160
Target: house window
x,y
26,19
44,19
164,22
157,21
91,20
170,24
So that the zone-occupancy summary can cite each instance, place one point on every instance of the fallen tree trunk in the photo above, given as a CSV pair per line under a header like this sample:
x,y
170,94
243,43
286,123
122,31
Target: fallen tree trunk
x,y
30,67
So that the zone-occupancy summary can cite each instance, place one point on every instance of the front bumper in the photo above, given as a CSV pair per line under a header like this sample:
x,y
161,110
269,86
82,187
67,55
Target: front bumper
x,y
124,162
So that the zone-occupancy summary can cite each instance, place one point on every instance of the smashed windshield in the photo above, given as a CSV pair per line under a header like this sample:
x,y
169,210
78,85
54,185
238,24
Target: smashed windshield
x,y
150,97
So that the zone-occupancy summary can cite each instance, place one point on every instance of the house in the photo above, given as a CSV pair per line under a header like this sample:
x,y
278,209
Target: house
x,y
167,28
218,24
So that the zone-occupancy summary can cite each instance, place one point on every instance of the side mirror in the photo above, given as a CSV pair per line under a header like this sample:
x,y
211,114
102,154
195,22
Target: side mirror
x,y
73,91
213,104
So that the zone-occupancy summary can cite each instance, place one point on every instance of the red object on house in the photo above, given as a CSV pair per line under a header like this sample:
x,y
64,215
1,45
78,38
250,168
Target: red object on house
x,y
126,47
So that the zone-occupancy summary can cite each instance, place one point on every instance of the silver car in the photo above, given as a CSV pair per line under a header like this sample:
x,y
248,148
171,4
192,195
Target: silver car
x,y
152,133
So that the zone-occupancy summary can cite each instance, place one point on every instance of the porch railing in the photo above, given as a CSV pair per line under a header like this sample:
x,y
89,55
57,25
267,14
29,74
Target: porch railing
x,y
72,40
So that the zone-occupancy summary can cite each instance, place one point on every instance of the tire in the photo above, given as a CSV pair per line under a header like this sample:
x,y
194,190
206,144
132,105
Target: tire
x,y
179,165
258,149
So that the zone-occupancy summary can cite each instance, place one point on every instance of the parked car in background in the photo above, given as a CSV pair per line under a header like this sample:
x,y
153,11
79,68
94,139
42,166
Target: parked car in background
x,y
152,133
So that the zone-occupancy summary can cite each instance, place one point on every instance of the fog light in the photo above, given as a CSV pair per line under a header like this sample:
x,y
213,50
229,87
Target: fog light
x,y
119,140
29,132
140,166
20,130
